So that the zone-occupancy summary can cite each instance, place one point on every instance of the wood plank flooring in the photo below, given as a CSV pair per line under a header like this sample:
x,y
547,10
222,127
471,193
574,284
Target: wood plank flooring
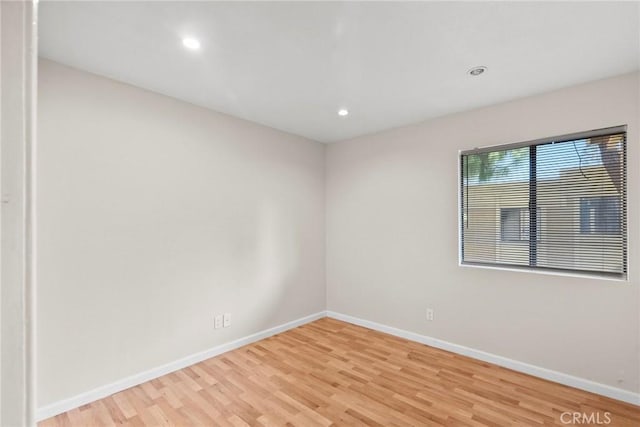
x,y
331,373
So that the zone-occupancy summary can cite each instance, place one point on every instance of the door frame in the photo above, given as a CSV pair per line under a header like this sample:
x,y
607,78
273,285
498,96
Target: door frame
x,y
18,106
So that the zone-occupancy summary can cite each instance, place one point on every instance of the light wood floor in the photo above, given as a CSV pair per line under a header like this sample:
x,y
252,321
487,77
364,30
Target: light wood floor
x,y
333,373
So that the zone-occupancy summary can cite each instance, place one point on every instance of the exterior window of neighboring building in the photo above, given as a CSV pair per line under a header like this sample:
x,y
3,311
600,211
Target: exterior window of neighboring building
x,y
579,183
600,215
514,224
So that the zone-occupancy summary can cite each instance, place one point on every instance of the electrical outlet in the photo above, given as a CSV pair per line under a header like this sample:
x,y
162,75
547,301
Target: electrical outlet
x,y
217,321
429,314
227,320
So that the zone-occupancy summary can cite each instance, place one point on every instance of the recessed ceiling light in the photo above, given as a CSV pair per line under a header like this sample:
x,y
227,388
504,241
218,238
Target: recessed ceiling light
x,y
343,112
191,43
476,71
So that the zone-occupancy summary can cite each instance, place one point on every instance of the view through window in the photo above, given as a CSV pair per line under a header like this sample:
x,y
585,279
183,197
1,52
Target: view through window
x,y
558,203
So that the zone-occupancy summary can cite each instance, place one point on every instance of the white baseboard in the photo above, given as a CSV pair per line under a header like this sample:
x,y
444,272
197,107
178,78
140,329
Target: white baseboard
x,y
547,374
134,380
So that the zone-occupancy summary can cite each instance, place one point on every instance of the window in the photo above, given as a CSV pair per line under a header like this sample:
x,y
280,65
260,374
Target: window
x,y
578,181
514,224
600,215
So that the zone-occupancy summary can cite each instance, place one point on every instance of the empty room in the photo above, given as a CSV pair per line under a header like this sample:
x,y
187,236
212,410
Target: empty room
x,y
320,213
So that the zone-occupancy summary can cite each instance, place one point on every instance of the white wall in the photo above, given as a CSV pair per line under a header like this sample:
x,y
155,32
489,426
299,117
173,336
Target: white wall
x,y
155,214
392,240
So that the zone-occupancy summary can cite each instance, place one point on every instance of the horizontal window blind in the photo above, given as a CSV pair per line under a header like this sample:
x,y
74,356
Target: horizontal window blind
x,y
557,204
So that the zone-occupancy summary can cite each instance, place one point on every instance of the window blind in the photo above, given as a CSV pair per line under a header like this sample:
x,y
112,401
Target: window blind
x,y
557,204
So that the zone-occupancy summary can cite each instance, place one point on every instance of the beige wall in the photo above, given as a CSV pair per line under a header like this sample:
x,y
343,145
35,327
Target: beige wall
x,y
155,214
392,240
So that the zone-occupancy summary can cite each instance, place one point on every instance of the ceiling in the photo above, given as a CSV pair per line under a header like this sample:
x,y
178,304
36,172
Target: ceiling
x,y
292,66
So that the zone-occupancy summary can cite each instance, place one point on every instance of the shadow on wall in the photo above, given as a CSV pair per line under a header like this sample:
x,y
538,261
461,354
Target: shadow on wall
x,y
277,259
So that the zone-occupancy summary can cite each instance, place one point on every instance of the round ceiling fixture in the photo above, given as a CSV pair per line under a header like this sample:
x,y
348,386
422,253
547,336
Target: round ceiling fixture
x,y
343,112
476,71
191,43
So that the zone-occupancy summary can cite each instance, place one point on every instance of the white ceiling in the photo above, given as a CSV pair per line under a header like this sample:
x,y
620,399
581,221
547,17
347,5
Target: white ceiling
x,y
293,65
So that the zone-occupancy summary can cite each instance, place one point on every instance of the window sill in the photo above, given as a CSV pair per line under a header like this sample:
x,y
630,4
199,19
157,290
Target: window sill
x,y
549,272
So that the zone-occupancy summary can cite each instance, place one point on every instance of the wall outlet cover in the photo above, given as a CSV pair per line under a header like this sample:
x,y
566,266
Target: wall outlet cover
x,y
429,314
